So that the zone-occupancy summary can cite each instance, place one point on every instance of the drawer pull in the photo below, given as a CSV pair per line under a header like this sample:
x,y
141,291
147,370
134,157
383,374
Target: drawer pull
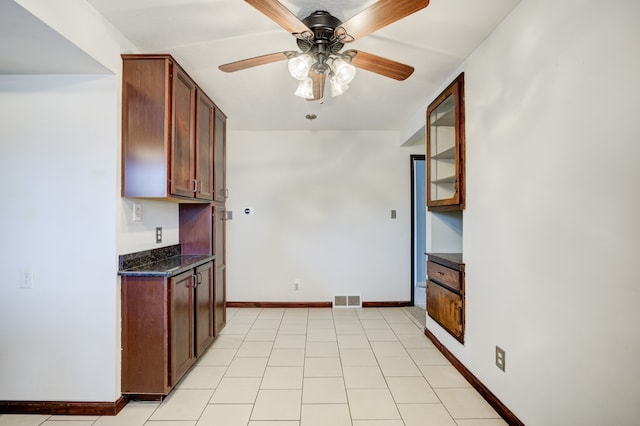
x,y
440,273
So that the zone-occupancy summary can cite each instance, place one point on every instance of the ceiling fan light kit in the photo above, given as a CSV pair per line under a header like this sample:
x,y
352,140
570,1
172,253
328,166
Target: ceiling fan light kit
x,y
341,73
305,88
321,37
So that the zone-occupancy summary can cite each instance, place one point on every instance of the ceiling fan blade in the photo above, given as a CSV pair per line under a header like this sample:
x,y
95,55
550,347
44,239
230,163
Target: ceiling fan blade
x,y
380,65
279,14
381,14
253,62
319,81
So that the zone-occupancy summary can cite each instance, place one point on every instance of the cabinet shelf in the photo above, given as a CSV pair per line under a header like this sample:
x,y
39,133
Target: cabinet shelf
x,y
447,119
447,154
445,180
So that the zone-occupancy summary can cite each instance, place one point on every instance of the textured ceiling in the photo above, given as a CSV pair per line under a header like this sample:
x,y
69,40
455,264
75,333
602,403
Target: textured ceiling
x,y
203,34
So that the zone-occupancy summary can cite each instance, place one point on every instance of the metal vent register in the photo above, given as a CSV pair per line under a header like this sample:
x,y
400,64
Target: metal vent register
x,y
347,302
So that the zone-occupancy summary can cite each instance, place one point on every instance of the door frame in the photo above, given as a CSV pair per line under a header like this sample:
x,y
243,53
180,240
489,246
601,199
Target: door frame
x,y
413,159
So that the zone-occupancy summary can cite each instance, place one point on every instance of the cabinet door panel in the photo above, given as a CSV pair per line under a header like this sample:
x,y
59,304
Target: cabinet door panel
x,y
204,307
181,317
220,147
220,297
145,354
183,144
204,147
445,307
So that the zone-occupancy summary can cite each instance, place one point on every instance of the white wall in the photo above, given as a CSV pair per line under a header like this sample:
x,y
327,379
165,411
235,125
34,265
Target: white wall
x,y
551,229
323,204
63,219
58,165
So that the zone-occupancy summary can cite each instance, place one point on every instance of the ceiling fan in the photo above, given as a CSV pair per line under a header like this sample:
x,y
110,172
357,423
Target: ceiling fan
x,y
321,38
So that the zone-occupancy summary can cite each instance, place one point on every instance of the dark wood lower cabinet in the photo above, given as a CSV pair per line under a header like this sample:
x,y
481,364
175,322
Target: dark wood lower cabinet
x,y
181,330
204,305
445,292
167,322
220,268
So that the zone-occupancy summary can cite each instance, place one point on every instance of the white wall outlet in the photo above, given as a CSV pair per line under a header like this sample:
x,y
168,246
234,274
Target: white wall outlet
x,y
296,284
500,358
159,234
137,212
26,279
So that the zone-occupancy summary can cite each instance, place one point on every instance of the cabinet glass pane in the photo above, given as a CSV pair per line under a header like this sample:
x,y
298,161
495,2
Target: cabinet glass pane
x,y
442,122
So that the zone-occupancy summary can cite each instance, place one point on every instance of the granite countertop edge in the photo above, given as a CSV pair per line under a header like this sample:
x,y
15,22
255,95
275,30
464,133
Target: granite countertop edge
x,y
168,267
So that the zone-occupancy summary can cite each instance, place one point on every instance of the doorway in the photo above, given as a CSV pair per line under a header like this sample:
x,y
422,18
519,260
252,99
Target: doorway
x,y
418,231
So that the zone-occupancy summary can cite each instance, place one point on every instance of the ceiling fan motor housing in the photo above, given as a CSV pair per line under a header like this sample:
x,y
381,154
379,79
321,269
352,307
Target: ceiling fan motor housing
x,y
324,43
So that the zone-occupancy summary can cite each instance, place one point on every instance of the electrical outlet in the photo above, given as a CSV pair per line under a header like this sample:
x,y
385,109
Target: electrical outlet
x,y
159,234
137,212
296,284
26,279
500,358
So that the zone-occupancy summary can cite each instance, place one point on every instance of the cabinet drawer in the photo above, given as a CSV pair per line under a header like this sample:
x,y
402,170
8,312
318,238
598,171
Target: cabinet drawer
x,y
442,274
445,307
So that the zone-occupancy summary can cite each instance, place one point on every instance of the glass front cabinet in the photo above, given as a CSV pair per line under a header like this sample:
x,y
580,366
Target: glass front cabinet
x,y
445,149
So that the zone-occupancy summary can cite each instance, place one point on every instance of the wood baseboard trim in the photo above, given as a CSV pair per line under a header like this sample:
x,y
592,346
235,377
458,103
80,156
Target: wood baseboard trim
x,y
64,407
279,304
493,400
392,304
385,304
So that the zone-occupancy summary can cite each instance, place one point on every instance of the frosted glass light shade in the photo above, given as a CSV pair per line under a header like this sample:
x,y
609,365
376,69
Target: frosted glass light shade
x,y
338,87
305,88
344,72
299,66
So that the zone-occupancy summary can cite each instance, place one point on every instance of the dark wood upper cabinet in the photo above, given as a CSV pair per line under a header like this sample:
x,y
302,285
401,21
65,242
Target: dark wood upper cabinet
x,y
168,131
220,155
183,150
446,149
205,146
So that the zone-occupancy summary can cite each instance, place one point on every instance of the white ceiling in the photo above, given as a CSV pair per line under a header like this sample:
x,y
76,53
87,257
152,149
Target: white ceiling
x,y
202,34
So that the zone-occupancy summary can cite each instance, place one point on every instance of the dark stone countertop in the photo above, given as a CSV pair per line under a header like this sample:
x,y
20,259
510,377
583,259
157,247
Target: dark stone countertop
x,y
162,262
451,260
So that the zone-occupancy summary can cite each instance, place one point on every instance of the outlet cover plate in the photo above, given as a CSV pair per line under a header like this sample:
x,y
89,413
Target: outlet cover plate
x,y
500,358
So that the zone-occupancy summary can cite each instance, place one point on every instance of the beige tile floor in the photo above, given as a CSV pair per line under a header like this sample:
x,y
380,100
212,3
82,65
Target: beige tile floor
x,y
309,367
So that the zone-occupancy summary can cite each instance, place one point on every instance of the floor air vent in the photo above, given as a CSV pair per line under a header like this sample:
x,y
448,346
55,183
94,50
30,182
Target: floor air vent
x,y
347,302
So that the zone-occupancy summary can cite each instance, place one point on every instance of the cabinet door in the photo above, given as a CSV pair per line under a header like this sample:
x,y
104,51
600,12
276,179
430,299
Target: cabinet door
x,y
181,325
204,147
220,152
145,356
204,307
445,307
445,149
183,135
220,298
